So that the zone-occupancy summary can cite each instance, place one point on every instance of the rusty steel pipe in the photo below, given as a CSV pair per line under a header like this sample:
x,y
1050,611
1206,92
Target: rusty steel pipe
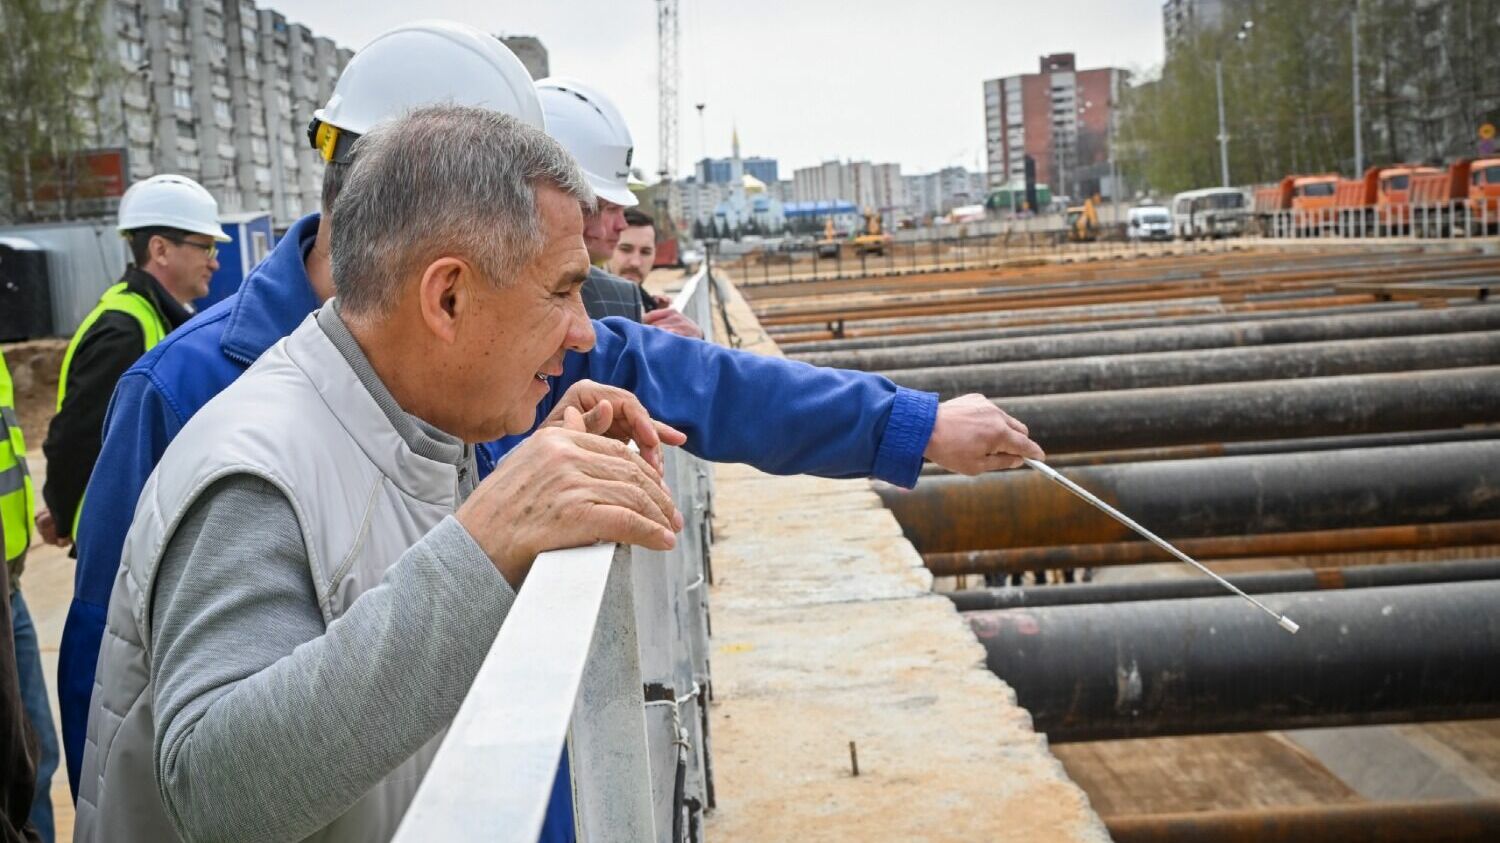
x,y
1475,821
1350,265
1342,405
1227,496
1189,587
1318,327
1214,365
856,331
1109,671
946,302
969,296
855,353
1018,560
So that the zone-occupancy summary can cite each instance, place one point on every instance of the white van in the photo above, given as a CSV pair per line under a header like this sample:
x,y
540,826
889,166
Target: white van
x,y
1149,222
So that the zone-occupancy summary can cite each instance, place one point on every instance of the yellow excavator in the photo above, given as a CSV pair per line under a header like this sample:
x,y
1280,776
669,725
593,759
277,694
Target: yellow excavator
x,y
873,241
828,247
1083,221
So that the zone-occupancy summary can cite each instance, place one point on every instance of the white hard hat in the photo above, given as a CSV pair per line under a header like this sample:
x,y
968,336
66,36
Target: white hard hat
x,y
171,202
430,62
589,127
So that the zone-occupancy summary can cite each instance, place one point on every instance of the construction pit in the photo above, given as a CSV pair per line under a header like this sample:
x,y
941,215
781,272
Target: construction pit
x,y
1321,426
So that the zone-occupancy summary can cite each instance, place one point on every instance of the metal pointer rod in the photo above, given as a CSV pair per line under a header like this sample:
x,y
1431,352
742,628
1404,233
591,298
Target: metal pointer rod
x,y
1283,621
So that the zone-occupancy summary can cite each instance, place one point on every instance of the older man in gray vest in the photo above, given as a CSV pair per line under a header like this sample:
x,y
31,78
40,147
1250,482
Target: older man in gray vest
x,y
313,578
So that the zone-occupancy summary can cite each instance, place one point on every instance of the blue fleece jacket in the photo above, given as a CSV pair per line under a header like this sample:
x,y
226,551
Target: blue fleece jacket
x,y
779,416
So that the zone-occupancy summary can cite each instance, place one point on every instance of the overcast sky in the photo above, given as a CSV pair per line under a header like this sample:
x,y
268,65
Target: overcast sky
x,y
883,80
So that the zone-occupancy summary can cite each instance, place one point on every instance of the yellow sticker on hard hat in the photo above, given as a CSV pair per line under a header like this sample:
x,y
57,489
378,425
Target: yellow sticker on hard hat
x,y
327,140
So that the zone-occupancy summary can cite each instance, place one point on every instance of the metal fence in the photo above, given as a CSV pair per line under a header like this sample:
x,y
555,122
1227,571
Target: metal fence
x,y
605,653
1445,220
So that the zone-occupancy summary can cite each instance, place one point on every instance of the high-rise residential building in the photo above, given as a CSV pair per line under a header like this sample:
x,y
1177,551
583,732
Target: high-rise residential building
x,y
868,186
935,194
1181,19
1062,117
222,92
888,188
717,170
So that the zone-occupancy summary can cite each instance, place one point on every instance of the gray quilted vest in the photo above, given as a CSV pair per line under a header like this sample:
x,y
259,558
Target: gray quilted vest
x,y
301,419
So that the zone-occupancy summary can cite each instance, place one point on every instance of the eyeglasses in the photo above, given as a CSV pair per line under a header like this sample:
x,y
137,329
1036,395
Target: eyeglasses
x,y
211,248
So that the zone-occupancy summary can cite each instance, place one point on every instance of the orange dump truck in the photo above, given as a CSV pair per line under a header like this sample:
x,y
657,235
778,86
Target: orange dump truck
x,y
1380,200
1484,195
1309,199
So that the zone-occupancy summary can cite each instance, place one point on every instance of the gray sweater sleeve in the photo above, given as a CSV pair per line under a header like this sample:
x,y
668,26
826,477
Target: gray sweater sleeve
x,y
269,724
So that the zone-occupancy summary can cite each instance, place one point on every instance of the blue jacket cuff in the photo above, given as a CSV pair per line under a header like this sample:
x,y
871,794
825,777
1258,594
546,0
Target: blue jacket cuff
x,y
899,460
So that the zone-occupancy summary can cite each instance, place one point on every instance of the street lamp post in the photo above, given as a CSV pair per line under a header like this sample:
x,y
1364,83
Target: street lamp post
x,y
1359,145
1219,88
1223,131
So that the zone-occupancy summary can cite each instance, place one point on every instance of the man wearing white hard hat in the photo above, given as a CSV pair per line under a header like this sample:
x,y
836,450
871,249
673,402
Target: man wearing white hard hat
x,y
592,129
410,66
413,65
172,227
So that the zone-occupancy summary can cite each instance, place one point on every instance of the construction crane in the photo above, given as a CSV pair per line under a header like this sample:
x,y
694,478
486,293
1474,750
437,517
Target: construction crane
x,y
666,102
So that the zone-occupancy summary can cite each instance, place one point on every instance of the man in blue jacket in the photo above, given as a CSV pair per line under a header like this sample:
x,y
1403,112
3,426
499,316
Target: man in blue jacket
x,y
780,416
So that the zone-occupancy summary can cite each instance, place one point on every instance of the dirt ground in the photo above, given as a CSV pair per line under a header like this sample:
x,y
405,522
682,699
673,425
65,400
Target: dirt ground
x,y
34,366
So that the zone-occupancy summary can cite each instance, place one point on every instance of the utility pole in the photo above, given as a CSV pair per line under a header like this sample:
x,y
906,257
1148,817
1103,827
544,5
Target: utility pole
x,y
666,93
1223,131
1359,144
1239,37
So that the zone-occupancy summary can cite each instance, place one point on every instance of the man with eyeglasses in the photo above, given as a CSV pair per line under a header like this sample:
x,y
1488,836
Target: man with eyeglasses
x,y
171,226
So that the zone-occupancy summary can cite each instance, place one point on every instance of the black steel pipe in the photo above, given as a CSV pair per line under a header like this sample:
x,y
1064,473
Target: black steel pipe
x,y
1214,365
1343,405
1206,450
1400,822
1193,587
841,353
1226,496
1179,667
1318,327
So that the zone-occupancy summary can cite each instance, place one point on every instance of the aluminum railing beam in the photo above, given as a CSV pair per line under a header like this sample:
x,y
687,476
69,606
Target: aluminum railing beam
x,y
575,621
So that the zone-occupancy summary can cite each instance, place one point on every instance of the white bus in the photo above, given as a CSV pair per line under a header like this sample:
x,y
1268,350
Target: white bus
x,y
1210,212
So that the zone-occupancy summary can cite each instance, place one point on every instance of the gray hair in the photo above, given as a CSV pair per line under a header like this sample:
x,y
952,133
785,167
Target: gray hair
x,y
443,180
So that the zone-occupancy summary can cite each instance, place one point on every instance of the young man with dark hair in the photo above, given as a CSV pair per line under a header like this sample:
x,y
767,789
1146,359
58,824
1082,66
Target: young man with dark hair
x,y
636,251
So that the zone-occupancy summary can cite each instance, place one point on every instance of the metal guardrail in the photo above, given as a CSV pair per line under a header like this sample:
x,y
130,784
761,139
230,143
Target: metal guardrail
x,y
1458,219
604,653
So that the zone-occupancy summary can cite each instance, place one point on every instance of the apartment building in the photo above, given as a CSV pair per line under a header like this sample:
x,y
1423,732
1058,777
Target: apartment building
x,y
220,91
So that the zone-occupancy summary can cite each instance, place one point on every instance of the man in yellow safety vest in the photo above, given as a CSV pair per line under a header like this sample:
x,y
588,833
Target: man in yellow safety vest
x,y
17,503
172,227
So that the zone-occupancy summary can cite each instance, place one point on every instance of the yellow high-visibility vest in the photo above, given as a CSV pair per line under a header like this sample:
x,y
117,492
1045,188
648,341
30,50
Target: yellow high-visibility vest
x,y
116,298
17,492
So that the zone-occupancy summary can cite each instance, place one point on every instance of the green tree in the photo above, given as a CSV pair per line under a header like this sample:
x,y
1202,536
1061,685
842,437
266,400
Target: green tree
x,y
1430,77
56,72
